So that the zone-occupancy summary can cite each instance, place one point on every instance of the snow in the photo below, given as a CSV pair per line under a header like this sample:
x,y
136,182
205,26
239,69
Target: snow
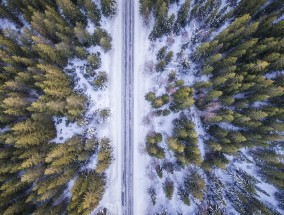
x,y
112,63
229,126
3,130
65,131
5,23
98,100
275,74
280,18
91,27
247,165
251,169
145,175
199,129
141,108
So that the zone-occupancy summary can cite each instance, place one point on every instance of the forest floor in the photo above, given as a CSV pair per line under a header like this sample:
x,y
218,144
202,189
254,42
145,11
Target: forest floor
x,y
112,197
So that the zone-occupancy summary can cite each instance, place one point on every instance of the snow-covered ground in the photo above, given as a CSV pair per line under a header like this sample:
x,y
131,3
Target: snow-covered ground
x,y
110,97
7,24
141,108
112,196
145,175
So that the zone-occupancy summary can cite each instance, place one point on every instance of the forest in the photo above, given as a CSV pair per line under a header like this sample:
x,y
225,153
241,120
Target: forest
x,y
38,175
211,123
236,55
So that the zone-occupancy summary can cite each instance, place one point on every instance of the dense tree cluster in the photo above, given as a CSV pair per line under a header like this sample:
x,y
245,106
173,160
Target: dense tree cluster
x,y
240,98
153,149
243,102
36,174
163,22
184,141
207,12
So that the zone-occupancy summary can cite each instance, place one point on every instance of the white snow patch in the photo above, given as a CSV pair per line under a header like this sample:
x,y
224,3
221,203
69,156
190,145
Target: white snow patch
x,y
2,130
111,62
5,23
65,131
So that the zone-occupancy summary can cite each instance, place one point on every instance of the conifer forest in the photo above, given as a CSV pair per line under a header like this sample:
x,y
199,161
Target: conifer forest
x,y
142,107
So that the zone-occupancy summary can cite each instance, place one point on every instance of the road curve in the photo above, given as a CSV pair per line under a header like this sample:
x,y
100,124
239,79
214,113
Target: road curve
x,y
127,107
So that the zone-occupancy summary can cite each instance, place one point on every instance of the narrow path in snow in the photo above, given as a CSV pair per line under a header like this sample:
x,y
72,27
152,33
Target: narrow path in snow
x,y
127,107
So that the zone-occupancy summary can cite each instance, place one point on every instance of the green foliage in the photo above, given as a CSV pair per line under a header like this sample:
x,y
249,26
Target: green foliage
x,y
33,131
92,10
266,158
71,12
153,149
240,103
238,63
86,193
108,7
159,171
164,23
194,184
184,141
168,187
157,102
94,61
160,66
102,38
184,196
101,80
6,13
104,156
248,7
145,9
182,17
182,99
34,89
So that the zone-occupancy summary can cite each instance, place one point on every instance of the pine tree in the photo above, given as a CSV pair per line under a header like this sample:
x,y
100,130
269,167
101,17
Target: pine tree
x,y
153,195
182,99
108,7
92,10
101,80
6,13
168,187
81,34
175,145
194,184
71,12
145,9
94,61
104,157
182,17
184,196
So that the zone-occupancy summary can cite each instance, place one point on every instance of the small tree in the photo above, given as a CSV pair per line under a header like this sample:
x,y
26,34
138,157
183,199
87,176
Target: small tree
x,y
184,196
153,195
94,61
168,187
101,80
108,7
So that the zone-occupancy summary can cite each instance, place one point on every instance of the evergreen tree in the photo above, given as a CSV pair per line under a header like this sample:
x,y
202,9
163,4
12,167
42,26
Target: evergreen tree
x,y
71,12
168,187
108,7
182,17
182,99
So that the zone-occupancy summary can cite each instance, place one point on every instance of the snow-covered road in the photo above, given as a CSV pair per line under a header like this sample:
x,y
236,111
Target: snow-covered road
x,y
127,107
